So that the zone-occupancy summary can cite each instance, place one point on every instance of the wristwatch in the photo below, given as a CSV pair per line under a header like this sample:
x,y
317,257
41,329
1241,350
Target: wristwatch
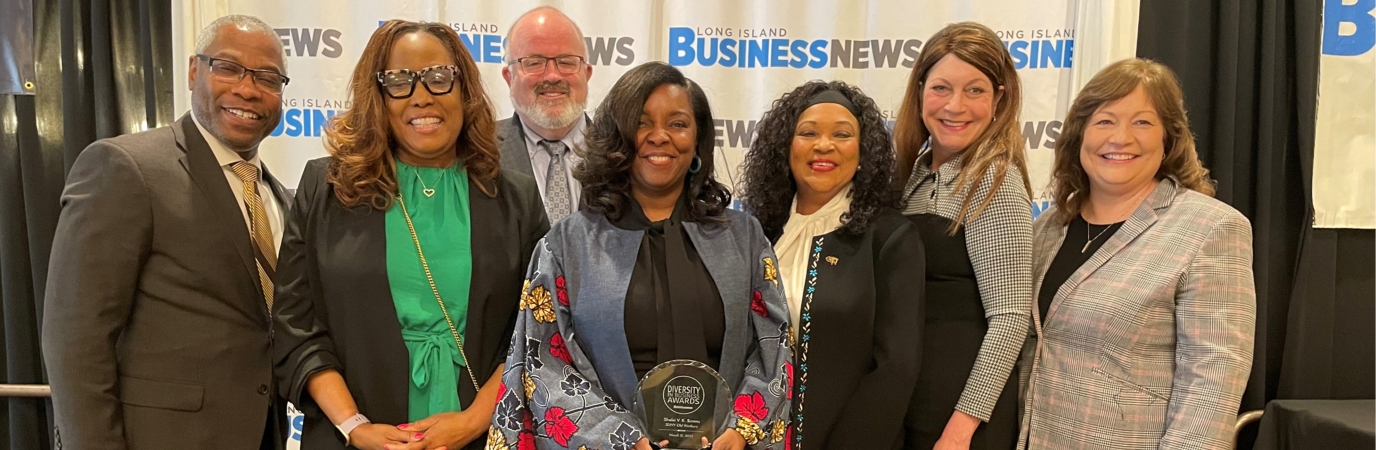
x,y
348,425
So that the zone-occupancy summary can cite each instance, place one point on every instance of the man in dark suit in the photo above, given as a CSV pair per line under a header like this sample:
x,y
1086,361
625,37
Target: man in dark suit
x,y
156,327
547,70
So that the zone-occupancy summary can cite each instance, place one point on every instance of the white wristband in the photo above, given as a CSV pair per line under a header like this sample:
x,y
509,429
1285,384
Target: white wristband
x,y
348,425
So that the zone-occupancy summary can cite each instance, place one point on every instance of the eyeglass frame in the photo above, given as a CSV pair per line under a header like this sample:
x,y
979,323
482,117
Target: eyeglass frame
x,y
544,67
210,62
416,78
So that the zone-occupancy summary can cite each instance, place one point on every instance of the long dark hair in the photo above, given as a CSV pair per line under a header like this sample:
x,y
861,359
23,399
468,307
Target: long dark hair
x,y
768,181
363,169
606,168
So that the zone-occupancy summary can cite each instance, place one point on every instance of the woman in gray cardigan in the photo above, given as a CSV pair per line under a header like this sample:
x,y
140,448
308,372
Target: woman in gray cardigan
x,y
1146,306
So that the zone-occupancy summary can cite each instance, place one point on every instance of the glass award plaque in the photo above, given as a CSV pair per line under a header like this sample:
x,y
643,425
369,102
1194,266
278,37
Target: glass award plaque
x,y
683,401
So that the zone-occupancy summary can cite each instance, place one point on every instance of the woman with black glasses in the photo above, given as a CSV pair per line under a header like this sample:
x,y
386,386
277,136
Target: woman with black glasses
x,y
401,263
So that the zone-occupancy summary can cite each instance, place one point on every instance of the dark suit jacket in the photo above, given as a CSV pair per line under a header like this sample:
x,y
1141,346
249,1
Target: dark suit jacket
x,y
860,336
334,303
511,139
155,331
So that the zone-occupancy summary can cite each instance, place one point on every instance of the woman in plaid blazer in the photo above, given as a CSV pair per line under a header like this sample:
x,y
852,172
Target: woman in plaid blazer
x,y
1145,307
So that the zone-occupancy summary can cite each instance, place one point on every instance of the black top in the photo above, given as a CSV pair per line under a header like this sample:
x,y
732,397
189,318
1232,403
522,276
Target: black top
x,y
1071,256
954,330
673,309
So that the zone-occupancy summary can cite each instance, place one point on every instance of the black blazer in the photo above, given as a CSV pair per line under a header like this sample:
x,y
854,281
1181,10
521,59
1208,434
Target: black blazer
x,y
863,329
334,303
156,334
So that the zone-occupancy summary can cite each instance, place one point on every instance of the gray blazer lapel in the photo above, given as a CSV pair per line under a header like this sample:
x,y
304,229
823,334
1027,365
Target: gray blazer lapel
x,y
512,142
1140,220
599,279
1047,238
732,276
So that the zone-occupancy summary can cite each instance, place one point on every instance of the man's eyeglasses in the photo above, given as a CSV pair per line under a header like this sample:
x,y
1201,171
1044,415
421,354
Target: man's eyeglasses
x,y
536,65
401,83
232,72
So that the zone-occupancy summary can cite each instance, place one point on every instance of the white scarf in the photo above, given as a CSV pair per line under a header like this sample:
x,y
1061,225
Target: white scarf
x,y
795,245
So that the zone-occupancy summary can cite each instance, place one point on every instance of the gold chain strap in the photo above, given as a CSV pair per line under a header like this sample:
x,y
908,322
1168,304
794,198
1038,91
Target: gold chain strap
x,y
468,364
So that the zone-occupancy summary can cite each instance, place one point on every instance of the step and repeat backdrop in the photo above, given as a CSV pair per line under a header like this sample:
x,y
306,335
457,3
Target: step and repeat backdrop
x,y
744,53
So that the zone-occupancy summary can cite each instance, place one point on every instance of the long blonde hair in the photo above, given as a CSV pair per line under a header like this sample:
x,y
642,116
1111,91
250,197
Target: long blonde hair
x,y
1000,146
1070,184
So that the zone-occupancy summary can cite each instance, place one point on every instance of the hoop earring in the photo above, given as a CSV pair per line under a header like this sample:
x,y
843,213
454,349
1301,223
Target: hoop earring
x,y
696,166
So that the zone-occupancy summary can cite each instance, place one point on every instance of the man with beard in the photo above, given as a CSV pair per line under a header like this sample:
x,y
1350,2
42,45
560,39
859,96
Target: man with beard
x,y
547,70
156,325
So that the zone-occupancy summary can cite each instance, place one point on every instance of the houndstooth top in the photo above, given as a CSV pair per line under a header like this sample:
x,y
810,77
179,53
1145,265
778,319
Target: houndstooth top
x,y
1000,245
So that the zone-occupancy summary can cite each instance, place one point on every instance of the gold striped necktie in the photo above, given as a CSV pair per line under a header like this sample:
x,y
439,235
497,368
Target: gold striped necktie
x,y
264,252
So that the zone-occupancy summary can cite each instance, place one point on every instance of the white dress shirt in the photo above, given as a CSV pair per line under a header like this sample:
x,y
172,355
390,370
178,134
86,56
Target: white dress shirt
x,y
795,245
226,158
539,159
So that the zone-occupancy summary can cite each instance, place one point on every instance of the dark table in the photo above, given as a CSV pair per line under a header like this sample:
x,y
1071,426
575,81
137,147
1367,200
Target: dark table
x,y
1318,424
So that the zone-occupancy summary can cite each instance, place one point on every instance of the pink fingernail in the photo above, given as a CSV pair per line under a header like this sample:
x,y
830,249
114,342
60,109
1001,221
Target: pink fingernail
x,y
401,427
418,436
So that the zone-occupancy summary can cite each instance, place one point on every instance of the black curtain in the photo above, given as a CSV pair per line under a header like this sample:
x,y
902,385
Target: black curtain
x,y
103,68
1249,69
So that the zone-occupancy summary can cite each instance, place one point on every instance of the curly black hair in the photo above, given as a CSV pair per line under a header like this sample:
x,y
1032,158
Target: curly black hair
x,y
606,168
768,183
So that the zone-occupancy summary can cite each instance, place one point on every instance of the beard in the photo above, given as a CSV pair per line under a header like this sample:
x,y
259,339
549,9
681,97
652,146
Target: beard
x,y
550,114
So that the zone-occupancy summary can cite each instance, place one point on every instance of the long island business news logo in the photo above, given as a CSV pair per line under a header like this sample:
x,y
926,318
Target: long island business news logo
x,y
740,134
311,42
773,47
307,117
1349,29
486,42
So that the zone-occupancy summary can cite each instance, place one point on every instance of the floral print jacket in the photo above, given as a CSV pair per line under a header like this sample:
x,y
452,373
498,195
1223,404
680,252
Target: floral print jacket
x,y
569,382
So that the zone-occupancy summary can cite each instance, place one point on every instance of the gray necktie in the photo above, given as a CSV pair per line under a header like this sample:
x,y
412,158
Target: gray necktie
x,y
558,197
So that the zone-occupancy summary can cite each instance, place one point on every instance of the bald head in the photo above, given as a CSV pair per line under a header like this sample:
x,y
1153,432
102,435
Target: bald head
x,y
549,98
543,27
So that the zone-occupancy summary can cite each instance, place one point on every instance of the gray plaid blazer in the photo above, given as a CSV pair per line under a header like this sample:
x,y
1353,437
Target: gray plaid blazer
x,y
1149,344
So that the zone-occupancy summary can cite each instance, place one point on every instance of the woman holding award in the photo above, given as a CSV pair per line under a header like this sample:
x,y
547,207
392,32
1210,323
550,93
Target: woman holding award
x,y
401,262
653,268
819,179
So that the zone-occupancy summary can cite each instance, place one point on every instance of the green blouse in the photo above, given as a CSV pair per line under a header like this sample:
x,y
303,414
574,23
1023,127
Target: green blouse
x,y
443,228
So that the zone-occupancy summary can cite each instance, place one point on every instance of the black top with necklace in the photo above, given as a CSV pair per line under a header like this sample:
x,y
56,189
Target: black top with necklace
x,y
673,309
1082,239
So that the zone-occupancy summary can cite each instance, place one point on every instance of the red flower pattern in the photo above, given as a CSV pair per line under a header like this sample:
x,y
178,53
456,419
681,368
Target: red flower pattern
x,y
751,406
757,304
526,440
558,426
501,391
561,291
788,379
557,348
